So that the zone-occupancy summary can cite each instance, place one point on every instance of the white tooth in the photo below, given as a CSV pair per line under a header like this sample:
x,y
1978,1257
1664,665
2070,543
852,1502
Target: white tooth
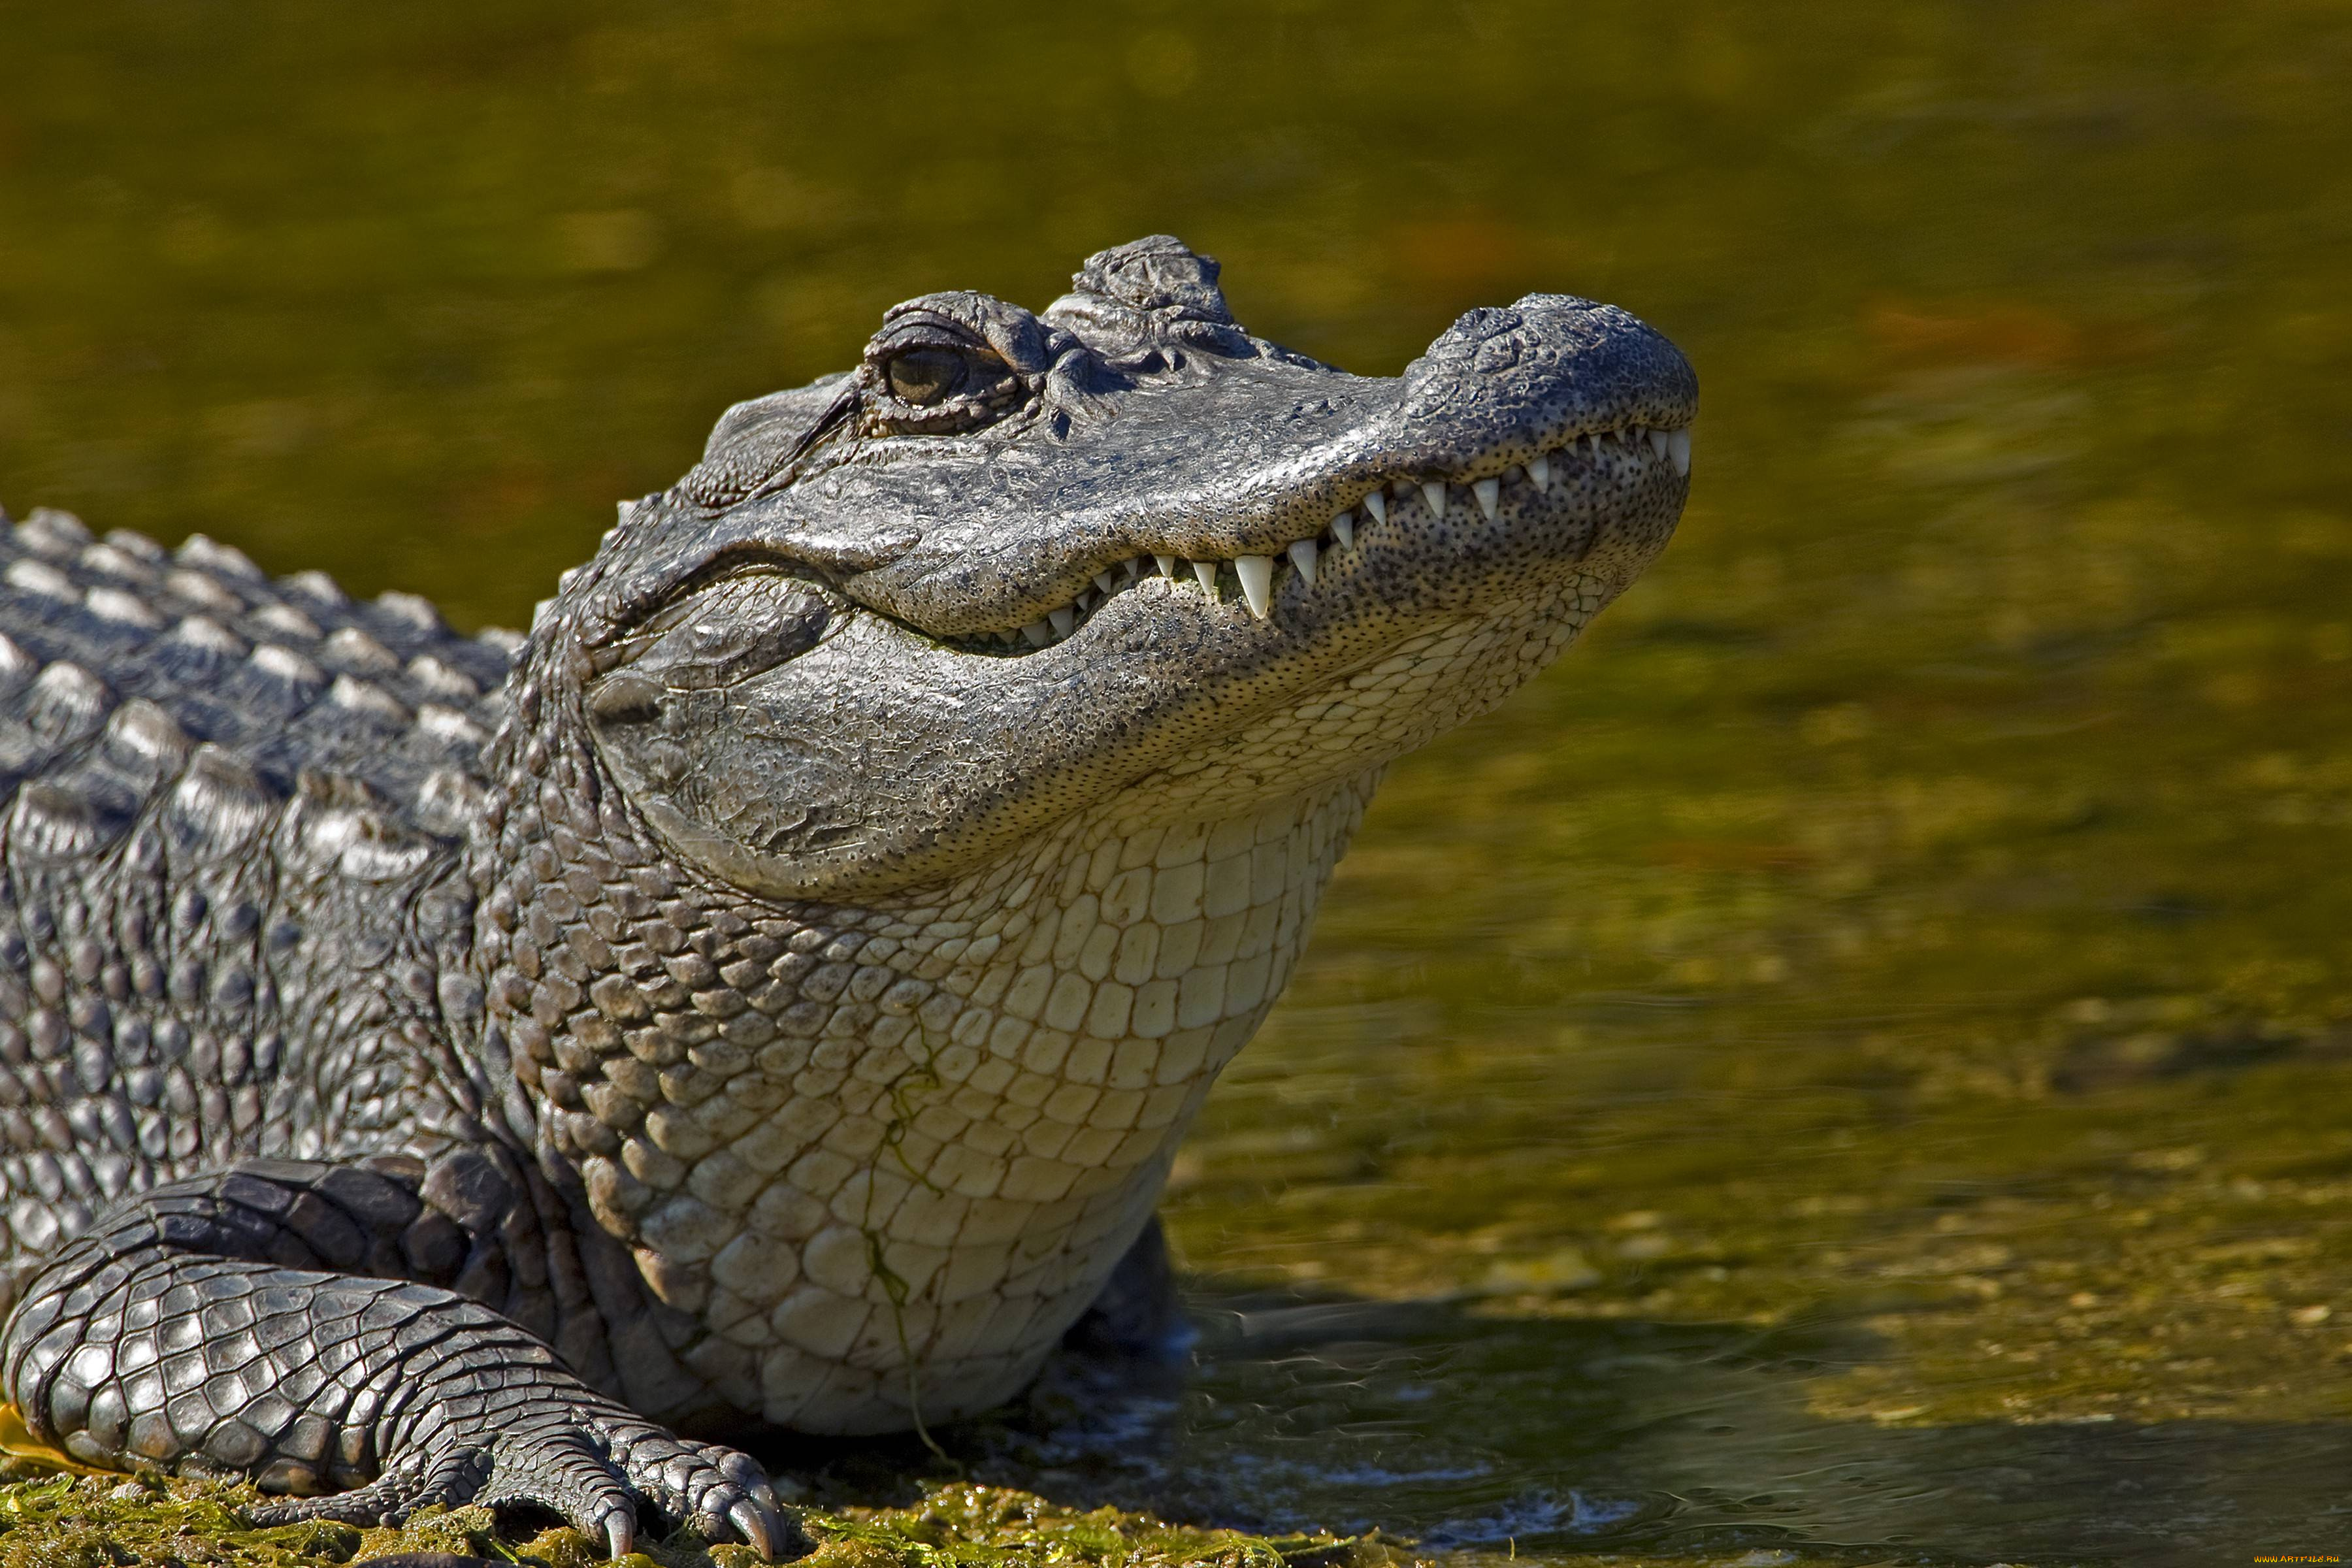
x,y
1167,564
1256,573
1063,620
1343,529
1102,581
1485,491
1434,492
1206,571
1378,505
1540,471
1135,569
1038,633
1633,434
1658,441
1678,447
1302,556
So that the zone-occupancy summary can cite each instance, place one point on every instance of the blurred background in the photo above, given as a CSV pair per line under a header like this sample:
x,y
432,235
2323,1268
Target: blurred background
x,y
1851,1064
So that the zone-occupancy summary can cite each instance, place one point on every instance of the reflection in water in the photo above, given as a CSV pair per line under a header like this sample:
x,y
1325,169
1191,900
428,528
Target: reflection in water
x,y
1505,1436
1852,1058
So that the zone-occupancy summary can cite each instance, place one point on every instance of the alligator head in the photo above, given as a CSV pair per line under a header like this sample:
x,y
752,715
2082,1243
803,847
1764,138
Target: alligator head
x,y
1014,565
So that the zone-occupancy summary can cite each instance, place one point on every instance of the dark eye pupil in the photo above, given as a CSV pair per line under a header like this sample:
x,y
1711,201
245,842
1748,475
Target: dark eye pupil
x,y
925,375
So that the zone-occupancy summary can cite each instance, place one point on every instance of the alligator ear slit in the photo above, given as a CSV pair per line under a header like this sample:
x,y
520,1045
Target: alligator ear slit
x,y
624,698
827,422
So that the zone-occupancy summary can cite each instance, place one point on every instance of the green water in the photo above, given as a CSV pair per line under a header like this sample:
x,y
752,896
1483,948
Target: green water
x,y
1851,1065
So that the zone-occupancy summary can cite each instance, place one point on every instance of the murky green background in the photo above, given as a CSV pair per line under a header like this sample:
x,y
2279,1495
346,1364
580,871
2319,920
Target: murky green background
x,y
1855,1057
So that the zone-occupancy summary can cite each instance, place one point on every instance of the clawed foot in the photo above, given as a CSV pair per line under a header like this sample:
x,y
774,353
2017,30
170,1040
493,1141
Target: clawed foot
x,y
596,1466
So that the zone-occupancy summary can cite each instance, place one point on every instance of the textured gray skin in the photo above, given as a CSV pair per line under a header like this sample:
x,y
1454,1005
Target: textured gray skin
x,y
437,1070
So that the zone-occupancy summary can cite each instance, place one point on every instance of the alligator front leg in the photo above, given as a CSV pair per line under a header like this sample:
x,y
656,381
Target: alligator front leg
x,y
255,1322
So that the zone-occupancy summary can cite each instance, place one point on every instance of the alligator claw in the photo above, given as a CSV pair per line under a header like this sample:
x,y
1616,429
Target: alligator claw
x,y
619,1534
590,1460
763,1534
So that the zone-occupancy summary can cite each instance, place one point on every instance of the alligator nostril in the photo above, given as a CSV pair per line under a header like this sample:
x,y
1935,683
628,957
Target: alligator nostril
x,y
1496,354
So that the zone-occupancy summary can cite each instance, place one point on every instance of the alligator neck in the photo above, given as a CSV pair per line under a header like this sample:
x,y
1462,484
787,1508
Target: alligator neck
x,y
842,1143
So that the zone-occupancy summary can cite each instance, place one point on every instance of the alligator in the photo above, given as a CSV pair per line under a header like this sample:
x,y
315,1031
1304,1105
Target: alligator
x,y
768,995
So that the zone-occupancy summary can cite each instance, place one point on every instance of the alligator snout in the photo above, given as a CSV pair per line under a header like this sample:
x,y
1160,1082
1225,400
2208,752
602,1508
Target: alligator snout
x,y
1503,383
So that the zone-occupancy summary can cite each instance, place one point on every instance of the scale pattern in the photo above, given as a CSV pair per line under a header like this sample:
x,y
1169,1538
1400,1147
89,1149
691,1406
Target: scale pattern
x,y
215,783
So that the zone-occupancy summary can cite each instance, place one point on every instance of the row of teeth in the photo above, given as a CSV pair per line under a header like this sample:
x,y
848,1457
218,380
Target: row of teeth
x,y
1255,574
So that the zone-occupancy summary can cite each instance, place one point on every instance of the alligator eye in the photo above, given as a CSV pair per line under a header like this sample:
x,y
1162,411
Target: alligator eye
x,y
923,376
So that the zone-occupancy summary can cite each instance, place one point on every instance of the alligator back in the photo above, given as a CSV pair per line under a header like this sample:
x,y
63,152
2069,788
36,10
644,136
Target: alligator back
x,y
229,815
290,675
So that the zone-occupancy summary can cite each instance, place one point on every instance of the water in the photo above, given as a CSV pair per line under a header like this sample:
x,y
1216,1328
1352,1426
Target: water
x,y
1847,1067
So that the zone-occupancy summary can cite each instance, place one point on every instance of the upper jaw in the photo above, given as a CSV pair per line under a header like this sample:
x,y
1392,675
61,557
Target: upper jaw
x,y
1266,469
1569,494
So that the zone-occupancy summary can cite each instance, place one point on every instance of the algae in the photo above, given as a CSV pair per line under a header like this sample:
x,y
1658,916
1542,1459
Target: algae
x,y
115,1522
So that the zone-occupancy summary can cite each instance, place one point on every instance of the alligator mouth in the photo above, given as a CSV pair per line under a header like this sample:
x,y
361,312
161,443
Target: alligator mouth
x,y
1628,455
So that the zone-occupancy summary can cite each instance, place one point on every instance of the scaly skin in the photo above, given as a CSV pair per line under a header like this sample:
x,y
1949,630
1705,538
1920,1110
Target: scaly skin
x,y
440,1069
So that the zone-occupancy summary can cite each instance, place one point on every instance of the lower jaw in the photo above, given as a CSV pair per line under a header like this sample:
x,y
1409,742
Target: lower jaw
x,y
1226,742
1392,699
